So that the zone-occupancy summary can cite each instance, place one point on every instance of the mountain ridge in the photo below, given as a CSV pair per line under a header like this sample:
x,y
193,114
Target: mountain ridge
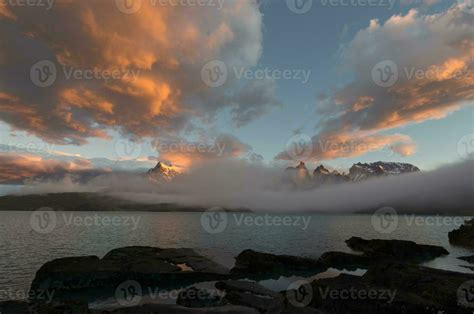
x,y
299,176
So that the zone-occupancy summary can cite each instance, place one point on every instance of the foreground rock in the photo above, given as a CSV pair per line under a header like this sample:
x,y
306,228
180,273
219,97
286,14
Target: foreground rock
x,y
396,250
464,236
198,298
391,288
264,265
14,307
151,267
251,294
381,251
469,259
252,263
23,307
341,260
176,309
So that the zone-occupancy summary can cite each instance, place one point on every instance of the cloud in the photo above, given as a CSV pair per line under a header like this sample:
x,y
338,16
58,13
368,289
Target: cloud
x,y
16,168
185,153
145,67
21,163
434,58
404,149
341,145
239,183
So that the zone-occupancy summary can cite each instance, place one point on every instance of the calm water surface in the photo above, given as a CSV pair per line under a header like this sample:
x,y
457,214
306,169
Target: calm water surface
x,y
23,250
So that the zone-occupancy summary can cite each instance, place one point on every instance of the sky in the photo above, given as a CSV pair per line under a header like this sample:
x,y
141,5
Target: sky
x,y
98,84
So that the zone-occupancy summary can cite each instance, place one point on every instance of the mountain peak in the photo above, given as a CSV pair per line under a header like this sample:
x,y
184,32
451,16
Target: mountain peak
x,y
301,165
162,171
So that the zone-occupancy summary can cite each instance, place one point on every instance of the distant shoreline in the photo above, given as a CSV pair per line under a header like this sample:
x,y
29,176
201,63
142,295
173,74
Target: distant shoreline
x,y
96,202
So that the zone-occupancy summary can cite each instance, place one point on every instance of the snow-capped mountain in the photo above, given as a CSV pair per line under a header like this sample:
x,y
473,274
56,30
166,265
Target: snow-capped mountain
x,y
362,171
322,176
162,172
299,176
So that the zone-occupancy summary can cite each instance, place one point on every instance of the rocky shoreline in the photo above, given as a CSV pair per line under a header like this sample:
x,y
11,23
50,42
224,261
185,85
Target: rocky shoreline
x,y
130,276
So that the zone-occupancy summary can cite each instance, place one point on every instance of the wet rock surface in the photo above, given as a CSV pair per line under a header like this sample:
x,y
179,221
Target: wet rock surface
x,y
392,284
381,251
146,265
251,294
391,288
469,259
194,297
397,250
14,307
252,263
464,236
341,260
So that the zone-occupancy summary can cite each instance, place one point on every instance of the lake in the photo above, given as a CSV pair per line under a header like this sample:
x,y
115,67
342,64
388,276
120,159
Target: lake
x,y
24,248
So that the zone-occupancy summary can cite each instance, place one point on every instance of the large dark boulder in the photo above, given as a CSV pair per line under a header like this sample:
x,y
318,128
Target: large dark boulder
x,y
469,259
396,250
464,236
197,298
91,277
251,294
341,260
391,288
250,262
24,307
380,251
20,307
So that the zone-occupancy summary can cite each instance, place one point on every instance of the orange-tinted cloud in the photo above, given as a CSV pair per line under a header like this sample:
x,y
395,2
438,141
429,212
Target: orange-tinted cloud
x,y
138,73
185,154
344,145
404,149
434,58
15,168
